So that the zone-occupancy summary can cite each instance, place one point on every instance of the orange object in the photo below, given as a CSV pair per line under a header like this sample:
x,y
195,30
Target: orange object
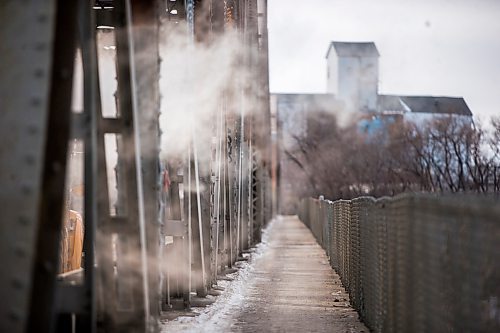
x,y
71,242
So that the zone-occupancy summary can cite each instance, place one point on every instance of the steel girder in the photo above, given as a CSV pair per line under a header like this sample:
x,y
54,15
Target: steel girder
x,y
121,286
36,69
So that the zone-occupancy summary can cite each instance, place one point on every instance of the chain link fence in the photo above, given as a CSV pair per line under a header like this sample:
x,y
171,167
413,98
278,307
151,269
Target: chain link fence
x,y
414,263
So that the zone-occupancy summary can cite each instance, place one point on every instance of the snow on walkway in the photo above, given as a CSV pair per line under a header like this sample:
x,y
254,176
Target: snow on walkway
x,y
287,286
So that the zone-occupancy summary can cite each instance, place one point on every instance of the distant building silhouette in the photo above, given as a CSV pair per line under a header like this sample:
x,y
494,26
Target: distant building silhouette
x,y
352,75
352,93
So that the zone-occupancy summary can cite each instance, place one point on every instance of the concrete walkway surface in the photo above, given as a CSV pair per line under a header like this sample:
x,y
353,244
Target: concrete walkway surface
x,y
288,286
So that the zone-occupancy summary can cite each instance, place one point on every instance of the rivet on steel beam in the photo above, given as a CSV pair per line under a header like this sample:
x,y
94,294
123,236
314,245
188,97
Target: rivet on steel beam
x,y
17,283
42,18
24,220
30,160
32,129
20,251
14,316
25,189
40,46
35,101
39,73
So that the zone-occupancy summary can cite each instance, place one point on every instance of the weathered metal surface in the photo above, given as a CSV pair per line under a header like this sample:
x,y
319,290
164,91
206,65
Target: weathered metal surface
x,y
121,287
26,55
43,293
126,293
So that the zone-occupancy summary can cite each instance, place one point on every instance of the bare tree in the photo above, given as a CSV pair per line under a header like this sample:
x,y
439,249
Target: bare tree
x,y
448,154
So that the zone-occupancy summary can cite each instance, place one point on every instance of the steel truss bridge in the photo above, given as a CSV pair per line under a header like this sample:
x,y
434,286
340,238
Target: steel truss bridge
x,y
108,224
177,221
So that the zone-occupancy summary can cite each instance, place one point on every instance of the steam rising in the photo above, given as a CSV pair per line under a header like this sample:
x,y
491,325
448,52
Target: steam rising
x,y
194,77
199,83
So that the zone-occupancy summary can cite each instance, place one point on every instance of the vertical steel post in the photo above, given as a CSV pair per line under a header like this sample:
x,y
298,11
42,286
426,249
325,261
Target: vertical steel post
x,y
30,105
43,301
145,30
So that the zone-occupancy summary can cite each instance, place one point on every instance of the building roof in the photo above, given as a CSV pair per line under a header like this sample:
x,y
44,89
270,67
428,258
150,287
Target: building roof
x,y
424,104
353,49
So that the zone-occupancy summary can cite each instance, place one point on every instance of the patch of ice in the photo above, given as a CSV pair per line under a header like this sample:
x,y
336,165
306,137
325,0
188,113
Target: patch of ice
x,y
221,315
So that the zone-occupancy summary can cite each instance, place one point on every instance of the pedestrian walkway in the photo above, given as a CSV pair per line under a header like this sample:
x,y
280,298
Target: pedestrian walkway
x,y
290,287
294,288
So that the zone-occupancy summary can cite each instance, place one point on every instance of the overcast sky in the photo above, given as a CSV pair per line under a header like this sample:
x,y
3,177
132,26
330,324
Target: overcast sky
x,y
427,47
